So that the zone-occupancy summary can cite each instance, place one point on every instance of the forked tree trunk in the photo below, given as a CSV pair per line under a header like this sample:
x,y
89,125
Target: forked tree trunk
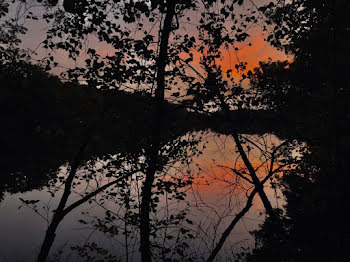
x,y
244,211
62,210
257,184
59,212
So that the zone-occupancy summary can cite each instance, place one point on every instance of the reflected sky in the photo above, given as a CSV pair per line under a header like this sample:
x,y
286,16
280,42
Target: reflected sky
x,y
213,199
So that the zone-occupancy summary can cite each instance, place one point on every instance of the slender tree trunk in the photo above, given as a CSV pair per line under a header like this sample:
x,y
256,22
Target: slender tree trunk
x,y
59,212
228,230
49,238
257,184
241,214
146,195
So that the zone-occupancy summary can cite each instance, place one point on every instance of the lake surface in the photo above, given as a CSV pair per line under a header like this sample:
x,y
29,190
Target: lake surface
x,y
212,200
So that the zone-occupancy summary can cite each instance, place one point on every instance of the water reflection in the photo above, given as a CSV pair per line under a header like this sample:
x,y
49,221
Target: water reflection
x,y
214,196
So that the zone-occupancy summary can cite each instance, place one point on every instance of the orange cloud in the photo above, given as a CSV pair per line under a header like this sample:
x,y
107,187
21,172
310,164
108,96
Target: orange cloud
x,y
252,51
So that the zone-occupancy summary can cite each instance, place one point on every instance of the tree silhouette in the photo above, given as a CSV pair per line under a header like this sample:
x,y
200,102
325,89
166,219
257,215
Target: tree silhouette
x,y
314,32
154,62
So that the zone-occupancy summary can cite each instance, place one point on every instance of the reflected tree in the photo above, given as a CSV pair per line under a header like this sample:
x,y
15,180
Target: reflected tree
x,y
151,49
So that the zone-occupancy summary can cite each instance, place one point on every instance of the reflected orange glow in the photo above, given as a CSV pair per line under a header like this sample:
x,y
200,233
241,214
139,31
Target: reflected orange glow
x,y
219,176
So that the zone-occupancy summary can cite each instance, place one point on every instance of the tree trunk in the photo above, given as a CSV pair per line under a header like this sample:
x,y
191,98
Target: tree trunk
x,y
146,195
59,212
49,238
240,215
228,230
257,184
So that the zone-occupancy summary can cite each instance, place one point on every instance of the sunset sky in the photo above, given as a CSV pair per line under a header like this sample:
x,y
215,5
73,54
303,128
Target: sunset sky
x,y
259,50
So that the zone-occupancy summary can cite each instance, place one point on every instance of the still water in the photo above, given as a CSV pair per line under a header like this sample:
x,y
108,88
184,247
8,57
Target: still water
x,y
212,200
